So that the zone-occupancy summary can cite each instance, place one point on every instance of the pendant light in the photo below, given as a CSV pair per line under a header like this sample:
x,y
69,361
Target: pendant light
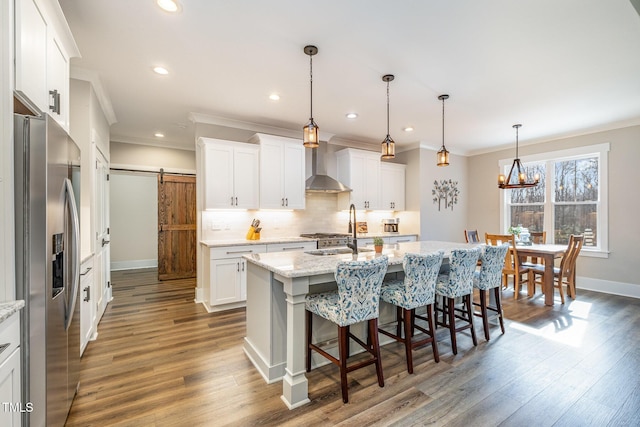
x,y
517,166
388,146
310,138
443,154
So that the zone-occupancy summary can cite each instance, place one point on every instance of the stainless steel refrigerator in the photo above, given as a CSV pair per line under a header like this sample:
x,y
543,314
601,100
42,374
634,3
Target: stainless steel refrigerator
x,y
47,190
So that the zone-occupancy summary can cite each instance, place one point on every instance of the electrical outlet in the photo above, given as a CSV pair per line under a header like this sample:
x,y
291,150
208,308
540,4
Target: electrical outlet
x,y
216,226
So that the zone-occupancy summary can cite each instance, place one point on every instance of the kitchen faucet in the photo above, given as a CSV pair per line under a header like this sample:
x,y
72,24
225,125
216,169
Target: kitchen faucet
x,y
352,229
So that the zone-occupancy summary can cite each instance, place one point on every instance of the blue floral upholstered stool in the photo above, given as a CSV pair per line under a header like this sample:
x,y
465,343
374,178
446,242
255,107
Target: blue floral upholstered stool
x,y
417,289
490,277
356,300
458,284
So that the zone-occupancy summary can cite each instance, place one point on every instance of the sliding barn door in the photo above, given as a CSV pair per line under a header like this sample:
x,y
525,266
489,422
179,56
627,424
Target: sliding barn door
x,y
176,227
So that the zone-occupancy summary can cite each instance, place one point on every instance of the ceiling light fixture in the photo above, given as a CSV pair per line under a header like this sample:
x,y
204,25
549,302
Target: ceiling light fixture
x,y
443,154
168,5
351,115
310,137
388,145
160,70
159,135
274,97
521,176
408,129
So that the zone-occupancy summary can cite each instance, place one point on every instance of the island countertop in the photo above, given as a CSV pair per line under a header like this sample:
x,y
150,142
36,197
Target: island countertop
x,y
265,241
301,264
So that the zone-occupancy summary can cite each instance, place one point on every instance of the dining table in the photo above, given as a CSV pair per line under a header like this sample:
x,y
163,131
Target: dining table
x,y
547,252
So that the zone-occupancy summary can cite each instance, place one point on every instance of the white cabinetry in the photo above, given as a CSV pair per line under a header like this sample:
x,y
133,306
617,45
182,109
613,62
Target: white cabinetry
x,y
282,172
392,176
292,247
228,275
87,304
401,239
31,53
43,46
11,413
230,174
360,171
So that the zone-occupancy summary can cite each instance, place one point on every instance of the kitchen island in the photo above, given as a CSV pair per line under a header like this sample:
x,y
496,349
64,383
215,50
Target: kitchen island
x,y
276,287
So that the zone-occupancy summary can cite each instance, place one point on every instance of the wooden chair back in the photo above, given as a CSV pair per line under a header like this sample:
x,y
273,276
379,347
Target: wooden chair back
x,y
512,264
471,236
540,238
568,262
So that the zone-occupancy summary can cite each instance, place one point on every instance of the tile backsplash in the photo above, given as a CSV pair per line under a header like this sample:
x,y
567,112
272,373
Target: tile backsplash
x,y
320,215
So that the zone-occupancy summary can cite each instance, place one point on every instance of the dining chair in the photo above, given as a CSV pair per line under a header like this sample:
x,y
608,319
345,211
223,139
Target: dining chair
x,y
356,300
458,284
417,289
565,274
471,236
512,264
489,278
538,238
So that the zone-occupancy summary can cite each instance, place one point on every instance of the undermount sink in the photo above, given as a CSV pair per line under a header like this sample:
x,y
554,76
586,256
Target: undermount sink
x,y
335,251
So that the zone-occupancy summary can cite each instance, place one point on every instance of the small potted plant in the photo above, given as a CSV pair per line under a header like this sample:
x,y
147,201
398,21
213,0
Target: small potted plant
x,y
377,243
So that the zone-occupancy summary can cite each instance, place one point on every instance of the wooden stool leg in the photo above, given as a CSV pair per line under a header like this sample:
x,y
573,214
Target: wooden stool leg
x,y
483,312
452,324
467,302
496,293
373,331
407,339
432,328
343,343
398,321
308,319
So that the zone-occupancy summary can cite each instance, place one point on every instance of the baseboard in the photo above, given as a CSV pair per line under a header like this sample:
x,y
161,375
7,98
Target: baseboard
x,y
608,287
135,264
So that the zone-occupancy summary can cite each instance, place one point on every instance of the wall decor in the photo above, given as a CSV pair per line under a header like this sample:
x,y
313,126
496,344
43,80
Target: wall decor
x,y
447,191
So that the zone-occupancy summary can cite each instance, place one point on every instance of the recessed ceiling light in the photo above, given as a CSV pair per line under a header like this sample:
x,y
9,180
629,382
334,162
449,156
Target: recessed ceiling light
x,y
351,115
408,129
168,5
161,70
274,97
159,135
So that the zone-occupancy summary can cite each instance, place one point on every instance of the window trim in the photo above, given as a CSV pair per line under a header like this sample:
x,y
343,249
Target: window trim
x,y
600,150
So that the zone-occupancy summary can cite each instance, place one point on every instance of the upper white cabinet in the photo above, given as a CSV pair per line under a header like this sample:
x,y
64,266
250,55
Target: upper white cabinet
x,y
392,187
31,53
282,172
43,46
231,174
360,171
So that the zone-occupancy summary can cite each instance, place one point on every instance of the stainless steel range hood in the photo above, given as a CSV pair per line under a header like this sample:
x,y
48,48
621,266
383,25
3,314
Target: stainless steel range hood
x,y
319,181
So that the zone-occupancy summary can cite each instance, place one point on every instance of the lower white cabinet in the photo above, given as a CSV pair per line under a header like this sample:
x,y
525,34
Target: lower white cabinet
x,y
401,239
228,275
87,304
13,407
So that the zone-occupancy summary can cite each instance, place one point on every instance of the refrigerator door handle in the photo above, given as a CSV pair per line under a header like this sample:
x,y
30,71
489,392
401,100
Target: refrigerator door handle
x,y
75,225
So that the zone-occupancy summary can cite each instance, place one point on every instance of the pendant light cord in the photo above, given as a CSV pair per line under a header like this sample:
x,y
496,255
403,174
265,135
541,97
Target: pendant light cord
x,y
387,108
443,122
517,157
311,82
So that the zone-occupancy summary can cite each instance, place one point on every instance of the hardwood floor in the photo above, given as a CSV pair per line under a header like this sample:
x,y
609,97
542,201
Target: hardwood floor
x,y
162,360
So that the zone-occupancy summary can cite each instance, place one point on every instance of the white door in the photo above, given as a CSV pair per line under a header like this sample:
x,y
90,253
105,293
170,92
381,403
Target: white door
x,y
294,177
246,177
226,281
102,276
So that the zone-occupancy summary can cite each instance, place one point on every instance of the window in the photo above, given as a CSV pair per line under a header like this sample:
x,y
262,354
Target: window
x,y
571,197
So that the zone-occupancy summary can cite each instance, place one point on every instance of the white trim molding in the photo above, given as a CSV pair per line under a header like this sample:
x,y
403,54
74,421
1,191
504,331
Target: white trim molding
x,y
134,264
608,287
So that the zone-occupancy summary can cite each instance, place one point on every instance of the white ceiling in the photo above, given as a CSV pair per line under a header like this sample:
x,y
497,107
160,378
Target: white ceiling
x,y
558,67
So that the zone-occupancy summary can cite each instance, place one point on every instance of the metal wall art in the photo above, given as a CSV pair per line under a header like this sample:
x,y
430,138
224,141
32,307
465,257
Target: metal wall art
x,y
447,191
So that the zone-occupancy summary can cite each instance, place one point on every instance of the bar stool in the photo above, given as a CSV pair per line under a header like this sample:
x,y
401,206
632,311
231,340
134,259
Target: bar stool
x,y
490,277
458,284
417,289
356,300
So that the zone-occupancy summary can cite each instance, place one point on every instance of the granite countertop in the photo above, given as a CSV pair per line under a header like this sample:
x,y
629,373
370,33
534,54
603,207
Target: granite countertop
x,y
263,241
381,234
7,308
301,264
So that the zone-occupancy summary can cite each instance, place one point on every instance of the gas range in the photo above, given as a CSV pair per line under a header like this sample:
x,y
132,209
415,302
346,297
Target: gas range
x,y
328,240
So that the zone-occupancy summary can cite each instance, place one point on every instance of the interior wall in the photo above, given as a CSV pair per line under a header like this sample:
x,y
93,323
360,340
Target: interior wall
x,y
615,274
135,156
134,220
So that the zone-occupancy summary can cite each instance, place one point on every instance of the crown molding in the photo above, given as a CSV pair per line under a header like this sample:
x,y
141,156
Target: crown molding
x,y
103,98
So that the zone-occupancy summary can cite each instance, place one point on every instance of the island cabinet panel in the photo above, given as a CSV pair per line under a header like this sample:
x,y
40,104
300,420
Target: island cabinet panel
x,y
360,171
228,275
392,186
10,372
282,172
230,174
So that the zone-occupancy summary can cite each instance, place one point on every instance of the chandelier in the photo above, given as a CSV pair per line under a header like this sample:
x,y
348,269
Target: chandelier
x,y
520,178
